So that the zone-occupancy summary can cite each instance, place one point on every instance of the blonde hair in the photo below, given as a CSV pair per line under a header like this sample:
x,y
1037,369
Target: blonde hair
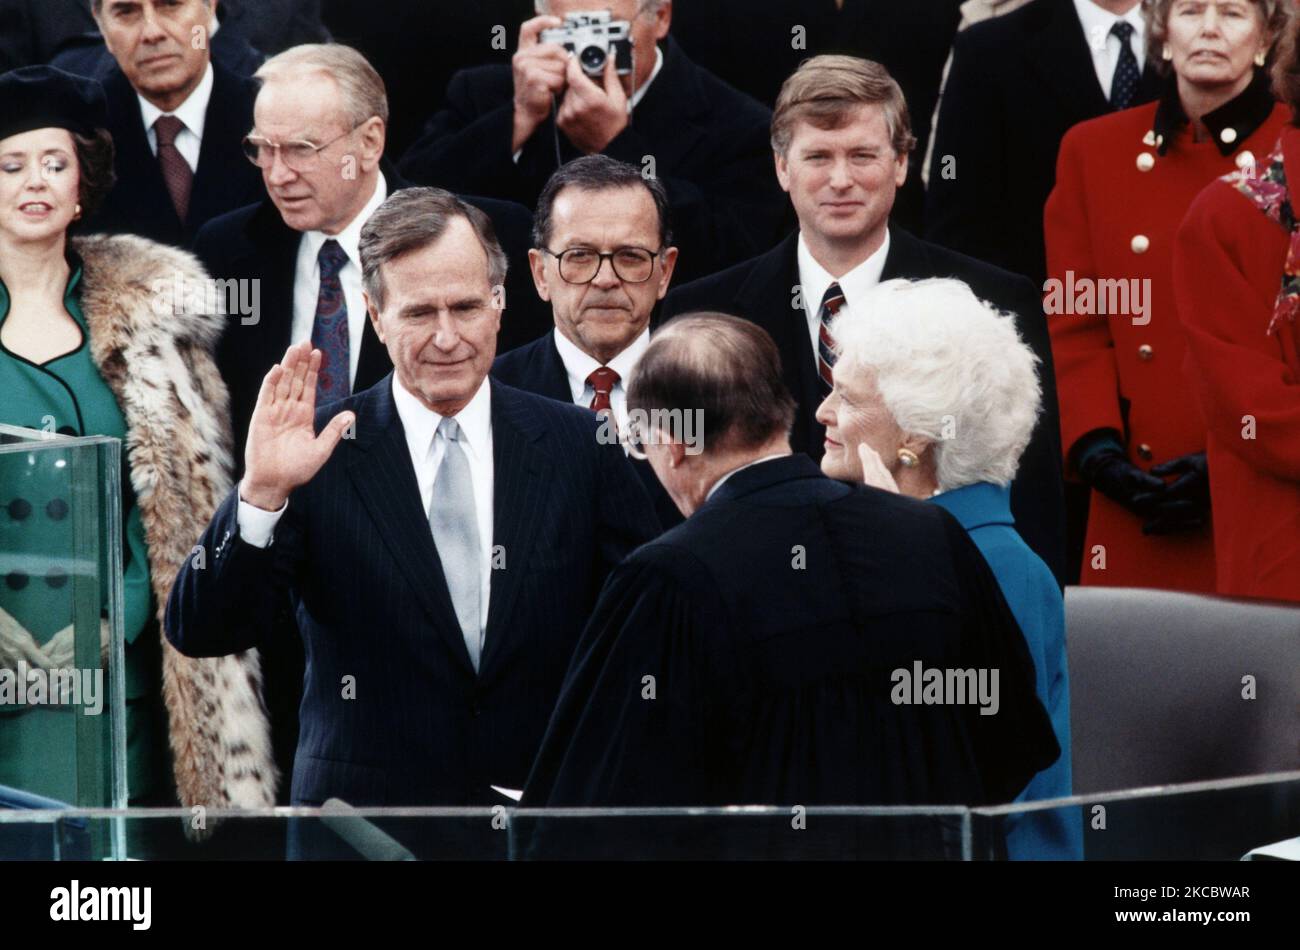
x,y
824,90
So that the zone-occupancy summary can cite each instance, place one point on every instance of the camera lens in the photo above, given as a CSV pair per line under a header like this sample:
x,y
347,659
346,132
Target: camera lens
x,y
592,58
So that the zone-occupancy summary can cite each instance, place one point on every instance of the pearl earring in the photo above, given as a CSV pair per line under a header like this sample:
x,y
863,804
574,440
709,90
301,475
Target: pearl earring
x,y
1260,58
1166,54
76,212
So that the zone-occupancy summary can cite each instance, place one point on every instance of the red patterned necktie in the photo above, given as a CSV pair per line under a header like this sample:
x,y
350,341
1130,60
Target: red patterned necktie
x,y
176,172
602,380
832,300
329,332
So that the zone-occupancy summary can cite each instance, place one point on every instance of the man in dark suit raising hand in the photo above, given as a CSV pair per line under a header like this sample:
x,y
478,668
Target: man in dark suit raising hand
x,y
442,537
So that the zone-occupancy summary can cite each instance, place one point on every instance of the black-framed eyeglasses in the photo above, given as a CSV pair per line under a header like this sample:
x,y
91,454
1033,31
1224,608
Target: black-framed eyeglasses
x,y
299,155
580,265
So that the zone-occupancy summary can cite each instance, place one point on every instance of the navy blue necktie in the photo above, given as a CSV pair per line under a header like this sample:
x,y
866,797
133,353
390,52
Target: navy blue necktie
x,y
1125,82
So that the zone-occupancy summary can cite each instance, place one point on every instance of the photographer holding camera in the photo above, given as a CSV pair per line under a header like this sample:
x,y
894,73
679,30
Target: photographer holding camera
x,y
611,81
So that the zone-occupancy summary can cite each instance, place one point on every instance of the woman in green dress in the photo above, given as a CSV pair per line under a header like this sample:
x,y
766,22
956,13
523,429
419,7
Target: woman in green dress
x,y
110,336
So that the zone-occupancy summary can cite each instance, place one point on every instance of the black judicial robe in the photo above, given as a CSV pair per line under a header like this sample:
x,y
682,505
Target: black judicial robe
x,y
771,622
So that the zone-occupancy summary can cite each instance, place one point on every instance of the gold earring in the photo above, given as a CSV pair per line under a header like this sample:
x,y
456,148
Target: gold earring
x,y
1260,58
1166,54
908,458
76,213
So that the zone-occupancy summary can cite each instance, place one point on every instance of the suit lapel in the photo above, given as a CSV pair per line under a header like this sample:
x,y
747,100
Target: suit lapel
x,y
381,471
217,180
1059,51
521,473
552,378
140,182
766,298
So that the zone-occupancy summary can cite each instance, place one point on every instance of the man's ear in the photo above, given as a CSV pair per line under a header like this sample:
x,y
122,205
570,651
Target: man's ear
x,y
373,313
373,136
663,19
669,262
900,170
537,267
782,170
676,453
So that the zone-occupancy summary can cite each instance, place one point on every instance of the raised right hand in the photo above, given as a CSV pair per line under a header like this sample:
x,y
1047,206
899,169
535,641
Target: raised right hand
x,y
283,449
539,72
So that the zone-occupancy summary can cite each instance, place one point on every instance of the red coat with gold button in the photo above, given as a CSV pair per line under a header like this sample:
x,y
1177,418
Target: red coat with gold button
x,y
1244,369
1117,341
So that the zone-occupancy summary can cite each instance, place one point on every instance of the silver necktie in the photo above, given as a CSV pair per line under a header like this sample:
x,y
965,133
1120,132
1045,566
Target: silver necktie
x,y
454,522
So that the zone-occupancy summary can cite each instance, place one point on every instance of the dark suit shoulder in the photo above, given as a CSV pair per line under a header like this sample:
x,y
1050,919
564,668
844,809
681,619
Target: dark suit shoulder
x,y
1008,30
485,86
511,368
987,280
718,290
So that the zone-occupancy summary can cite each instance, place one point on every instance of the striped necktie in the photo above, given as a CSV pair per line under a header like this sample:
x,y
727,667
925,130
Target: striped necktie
x,y
832,300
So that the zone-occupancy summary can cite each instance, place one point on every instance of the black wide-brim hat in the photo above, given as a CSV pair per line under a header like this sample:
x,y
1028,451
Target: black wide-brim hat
x,y
43,97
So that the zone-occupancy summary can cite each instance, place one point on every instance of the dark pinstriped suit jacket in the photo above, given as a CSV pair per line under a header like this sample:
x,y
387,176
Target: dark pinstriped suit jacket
x,y
356,553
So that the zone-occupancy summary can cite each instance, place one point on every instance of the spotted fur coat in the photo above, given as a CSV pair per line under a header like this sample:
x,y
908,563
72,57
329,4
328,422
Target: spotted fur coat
x,y
158,362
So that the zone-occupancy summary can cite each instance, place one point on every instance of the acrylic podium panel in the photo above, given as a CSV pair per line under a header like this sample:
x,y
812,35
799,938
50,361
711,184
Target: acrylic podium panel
x,y
1214,821
62,731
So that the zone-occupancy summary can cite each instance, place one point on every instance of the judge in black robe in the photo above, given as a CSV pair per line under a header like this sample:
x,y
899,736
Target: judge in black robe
x,y
749,655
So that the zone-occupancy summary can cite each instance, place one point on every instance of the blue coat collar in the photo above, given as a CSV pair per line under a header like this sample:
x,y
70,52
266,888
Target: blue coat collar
x,y
977,505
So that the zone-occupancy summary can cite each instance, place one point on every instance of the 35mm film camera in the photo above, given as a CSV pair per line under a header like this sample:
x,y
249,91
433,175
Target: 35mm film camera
x,y
594,37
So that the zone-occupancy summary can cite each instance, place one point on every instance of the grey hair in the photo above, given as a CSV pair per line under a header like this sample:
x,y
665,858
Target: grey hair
x,y
361,88
413,218
949,367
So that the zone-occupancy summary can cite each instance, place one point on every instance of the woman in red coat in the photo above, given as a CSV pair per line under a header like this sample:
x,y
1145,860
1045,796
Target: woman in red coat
x,y
1237,283
1129,425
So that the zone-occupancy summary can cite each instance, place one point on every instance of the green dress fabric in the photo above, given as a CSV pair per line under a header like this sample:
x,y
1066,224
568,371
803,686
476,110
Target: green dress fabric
x,y
68,395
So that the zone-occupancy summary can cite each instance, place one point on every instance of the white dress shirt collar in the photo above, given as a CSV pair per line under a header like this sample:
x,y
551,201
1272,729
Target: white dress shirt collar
x,y
193,112
1104,47
350,237
420,423
815,279
579,365
639,93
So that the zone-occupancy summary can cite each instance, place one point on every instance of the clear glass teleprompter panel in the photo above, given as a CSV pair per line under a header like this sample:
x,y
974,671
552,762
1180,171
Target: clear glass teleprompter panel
x,y
62,685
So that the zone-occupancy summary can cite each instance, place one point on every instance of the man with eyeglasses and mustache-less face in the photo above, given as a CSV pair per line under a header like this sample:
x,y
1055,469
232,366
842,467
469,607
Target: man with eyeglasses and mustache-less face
x,y
603,257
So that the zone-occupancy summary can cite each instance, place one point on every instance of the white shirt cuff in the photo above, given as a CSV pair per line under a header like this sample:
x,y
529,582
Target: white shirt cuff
x,y
257,525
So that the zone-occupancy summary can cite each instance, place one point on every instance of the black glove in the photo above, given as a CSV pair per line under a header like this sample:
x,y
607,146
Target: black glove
x,y
1103,464
1186,501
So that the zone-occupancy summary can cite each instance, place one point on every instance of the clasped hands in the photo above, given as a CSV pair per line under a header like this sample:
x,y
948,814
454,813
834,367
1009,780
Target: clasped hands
x,y
1166,507
591,115
17,645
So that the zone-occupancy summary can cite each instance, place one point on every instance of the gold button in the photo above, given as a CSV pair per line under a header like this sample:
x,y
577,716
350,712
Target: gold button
x,y
1140,243
1149,138
1146,162
1228,136
1160,140
1145,352
1144,451
1245,158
